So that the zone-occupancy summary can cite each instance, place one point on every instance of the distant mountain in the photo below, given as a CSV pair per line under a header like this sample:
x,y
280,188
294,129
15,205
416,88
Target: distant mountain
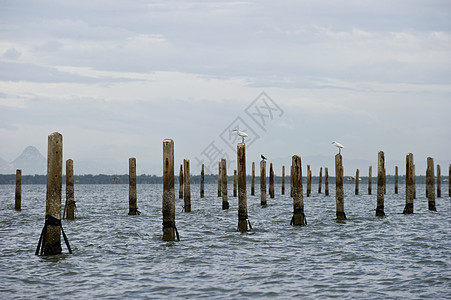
x,y
31,162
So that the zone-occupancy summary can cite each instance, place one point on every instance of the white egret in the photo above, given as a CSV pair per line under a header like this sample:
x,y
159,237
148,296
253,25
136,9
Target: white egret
x,y
241,134
263,157
339,146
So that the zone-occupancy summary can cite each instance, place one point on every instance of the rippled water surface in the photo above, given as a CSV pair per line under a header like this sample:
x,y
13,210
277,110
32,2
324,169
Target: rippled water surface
x,y
120,256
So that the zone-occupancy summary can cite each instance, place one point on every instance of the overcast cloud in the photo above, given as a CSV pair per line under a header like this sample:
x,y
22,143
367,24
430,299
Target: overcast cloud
x,y
118,77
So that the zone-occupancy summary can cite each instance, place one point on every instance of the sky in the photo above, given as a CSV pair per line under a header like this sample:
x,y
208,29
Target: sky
x,y
116,78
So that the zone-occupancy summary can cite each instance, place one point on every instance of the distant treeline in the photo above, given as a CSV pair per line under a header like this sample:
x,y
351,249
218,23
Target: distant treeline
x,y
195,179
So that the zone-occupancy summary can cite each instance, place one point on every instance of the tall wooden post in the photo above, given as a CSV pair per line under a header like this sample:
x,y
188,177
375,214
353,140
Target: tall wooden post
x,y
202,184
283,180
70,198
439,182
181,182
309,181
263,182
186,186
18,193
380,184
298,197
242,195
326,181
168,206
320,180
219,180
410,176
356,182
430,178
339,194
234,183
253,179
132,195
223,167
271,181
370,170
396,179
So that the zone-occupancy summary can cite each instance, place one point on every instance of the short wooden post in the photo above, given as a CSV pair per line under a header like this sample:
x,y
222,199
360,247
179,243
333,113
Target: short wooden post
x,y
168,206
339,194
263,182
356,182
439,182
410,175
186,186
181,182
380,184
271,181
243,219
370,170
298,197
320,180
253,179
219,180
70,198
309,181
225,201
132,195
18,193
396,179
430,179
202,182
326,181
283,180
234,183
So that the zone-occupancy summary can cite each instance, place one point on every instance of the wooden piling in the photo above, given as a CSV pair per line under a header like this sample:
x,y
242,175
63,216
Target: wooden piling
x,y
234,183
243,219
132,195
219,180
69,208
370,170
396,179
309,181
339,194
326,181
18,193
253,179
168,206
410,176
430,179
181,182
271,181
186,186
283,180
225,201
320,180
263,182
298,197
202,182
380,184
439,182
356,192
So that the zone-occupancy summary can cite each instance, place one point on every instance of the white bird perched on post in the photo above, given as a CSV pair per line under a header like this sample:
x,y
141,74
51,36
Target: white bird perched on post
x,y
339,146
241,134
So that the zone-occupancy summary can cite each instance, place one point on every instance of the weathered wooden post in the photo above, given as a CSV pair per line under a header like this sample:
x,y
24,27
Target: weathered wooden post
x,y
410,176
326,181
283,180
370,171
234,183
181,182
168,207
243,219
396,179
320,180
132,195
298,197
309,181
219,180
18,193
339,194
69,208
356,182
263,182
380,184
223,167
186,186
439,182
253,179
430,179
51,233
271,181
202,184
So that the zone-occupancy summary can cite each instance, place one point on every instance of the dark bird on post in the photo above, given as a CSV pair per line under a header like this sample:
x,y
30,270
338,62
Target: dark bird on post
x,y
263,157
